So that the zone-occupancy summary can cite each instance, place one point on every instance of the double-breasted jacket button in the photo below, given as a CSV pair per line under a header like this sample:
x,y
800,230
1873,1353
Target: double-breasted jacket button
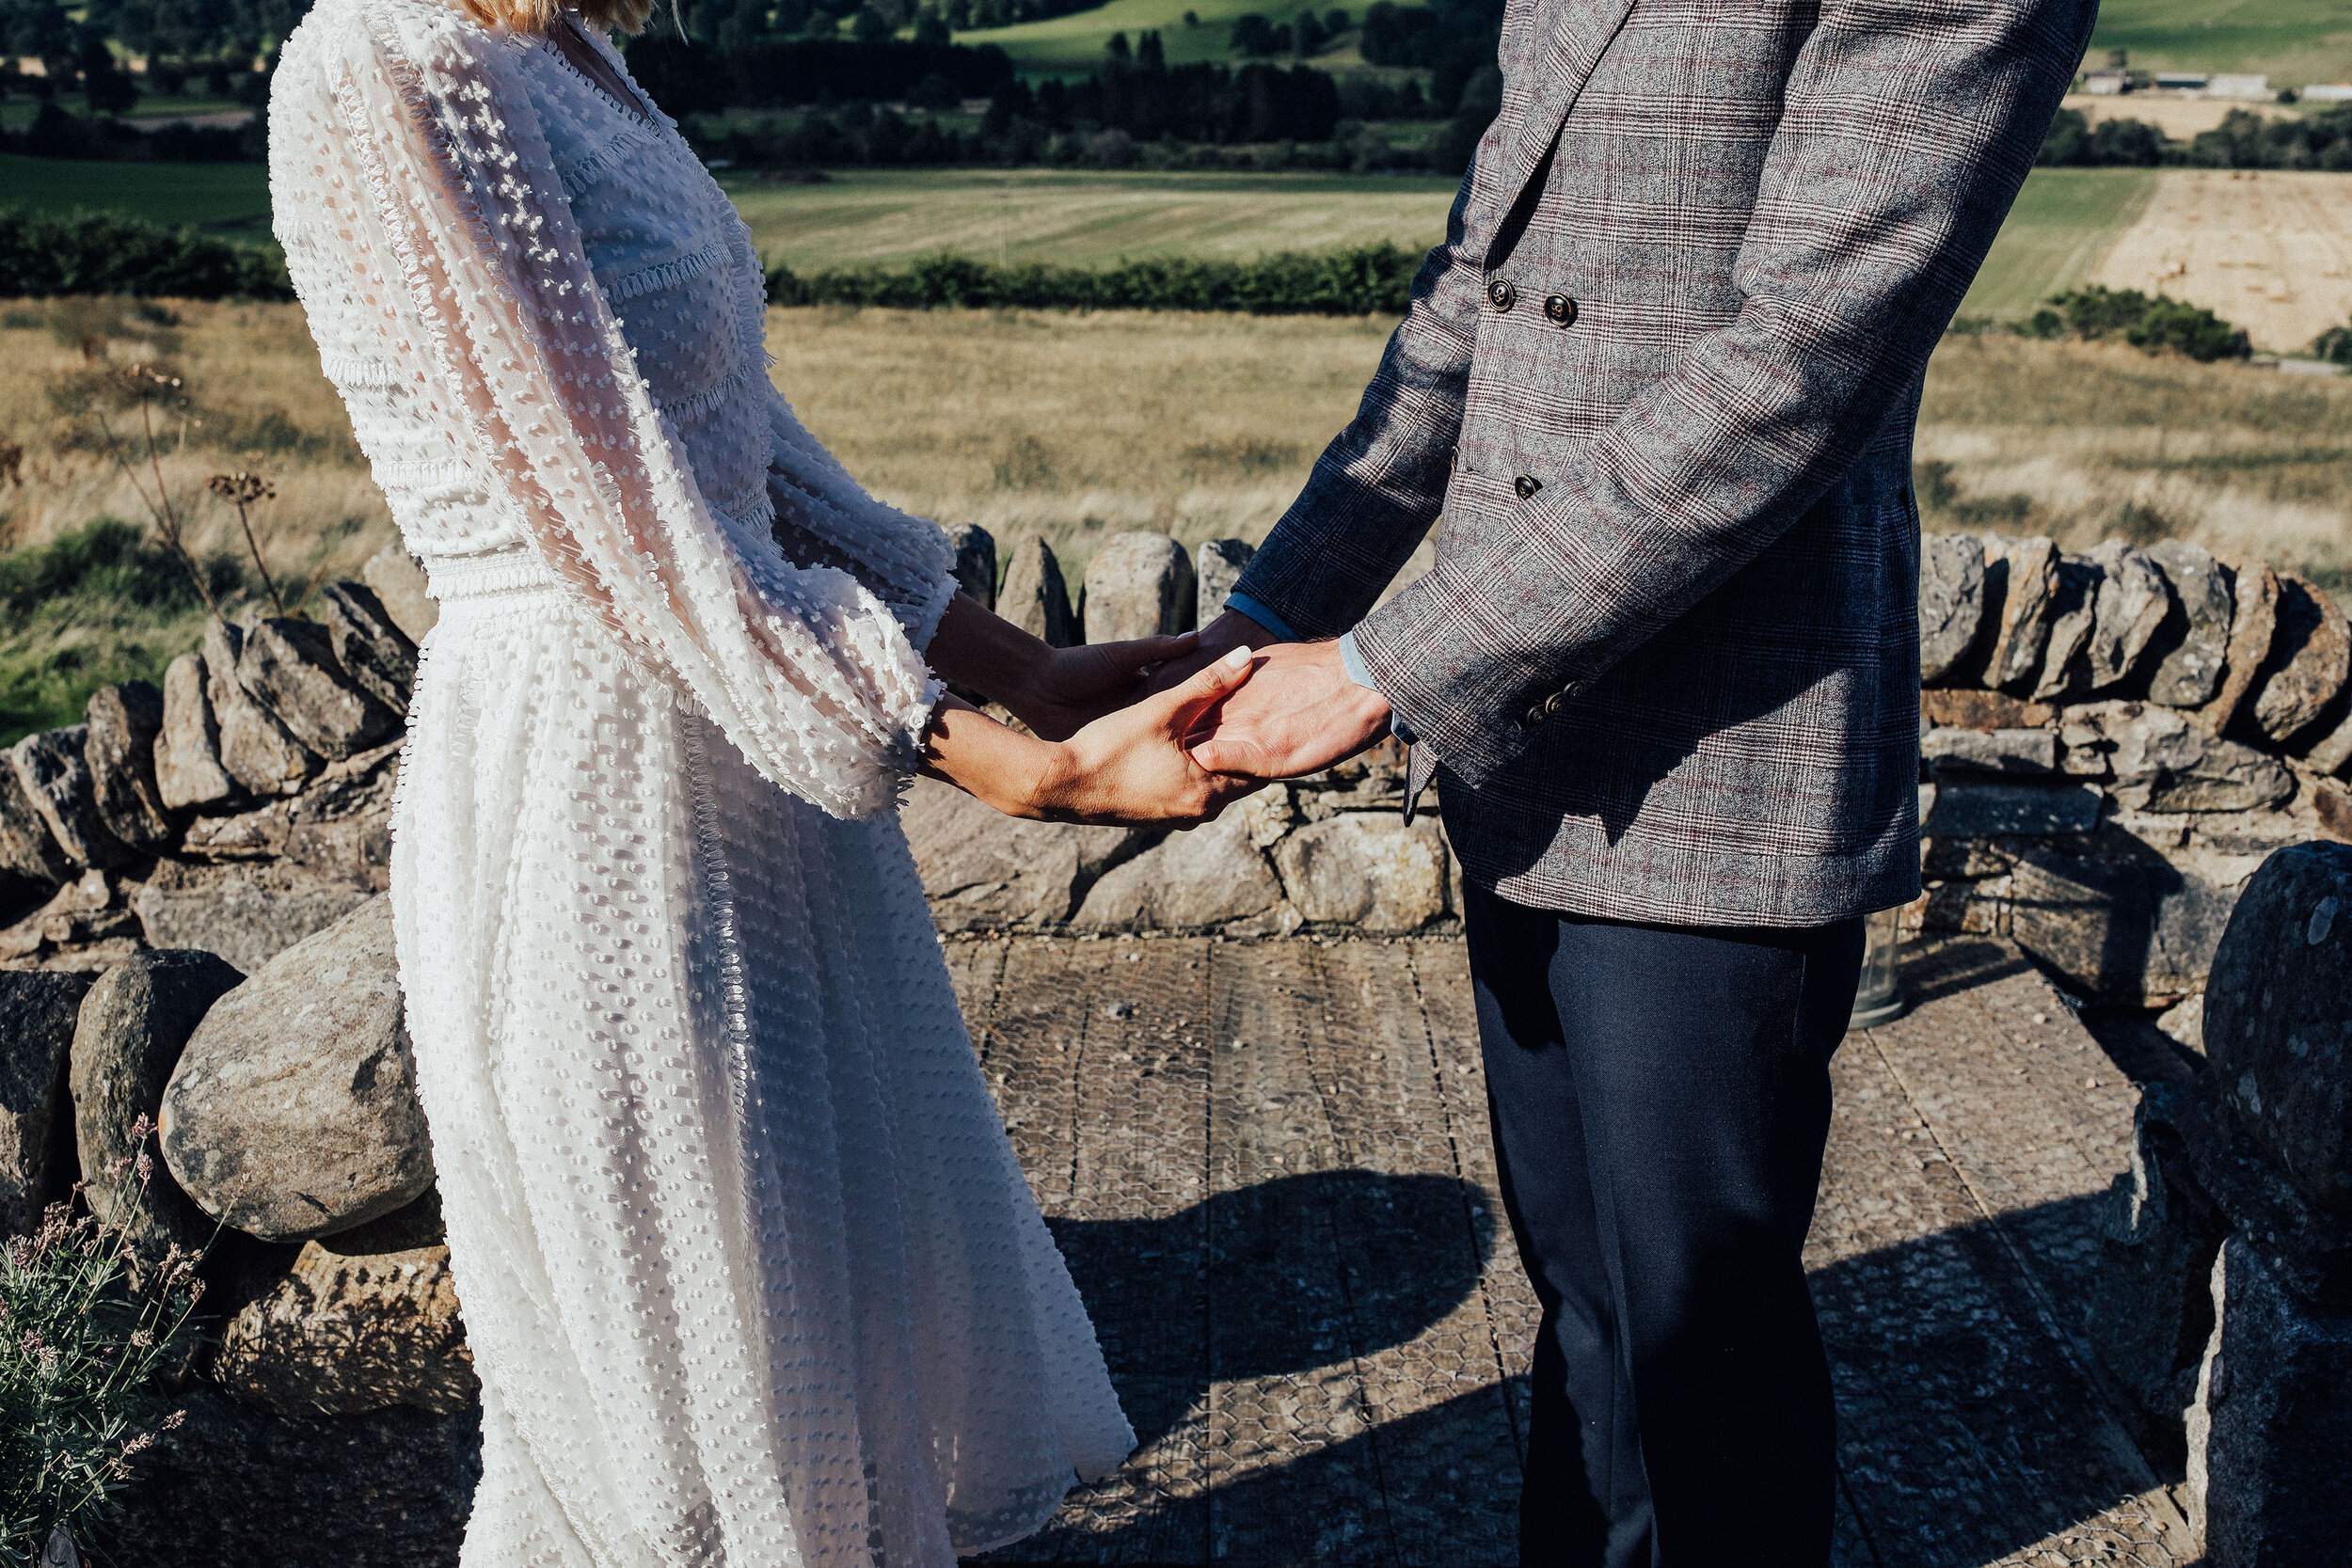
x,y
1527,485
1501,294
1453,457
1560,310
1533,717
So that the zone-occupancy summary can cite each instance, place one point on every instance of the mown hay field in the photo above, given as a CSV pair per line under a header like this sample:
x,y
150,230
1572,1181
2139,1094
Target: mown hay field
x,y
1081,220
1072,426
2268,251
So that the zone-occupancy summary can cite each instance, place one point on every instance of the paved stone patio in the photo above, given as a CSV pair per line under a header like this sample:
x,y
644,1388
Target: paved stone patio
x,y
1268,1164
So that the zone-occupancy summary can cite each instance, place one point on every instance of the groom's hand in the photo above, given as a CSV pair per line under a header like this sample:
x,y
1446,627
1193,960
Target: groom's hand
x,y
1299,713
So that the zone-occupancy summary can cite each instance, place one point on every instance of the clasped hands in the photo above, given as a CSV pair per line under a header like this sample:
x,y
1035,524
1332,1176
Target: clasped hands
x,y
1162,731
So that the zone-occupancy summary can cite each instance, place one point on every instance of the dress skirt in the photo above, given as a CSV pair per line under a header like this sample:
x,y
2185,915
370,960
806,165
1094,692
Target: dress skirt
x,y
749,1270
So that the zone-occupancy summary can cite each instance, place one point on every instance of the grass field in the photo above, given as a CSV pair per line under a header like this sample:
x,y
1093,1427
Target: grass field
x,y
1080,426
2063,223
230,199
1070,220
2295,42
1074,42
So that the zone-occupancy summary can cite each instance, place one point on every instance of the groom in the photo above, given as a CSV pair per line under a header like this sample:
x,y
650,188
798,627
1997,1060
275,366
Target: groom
x,y
1661,380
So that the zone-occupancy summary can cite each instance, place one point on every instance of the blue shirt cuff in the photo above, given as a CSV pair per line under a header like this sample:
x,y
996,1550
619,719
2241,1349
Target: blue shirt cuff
x,y
1358,671
1245,605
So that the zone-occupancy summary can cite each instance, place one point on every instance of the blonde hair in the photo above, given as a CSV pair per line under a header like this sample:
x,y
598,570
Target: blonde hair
x,y
537,16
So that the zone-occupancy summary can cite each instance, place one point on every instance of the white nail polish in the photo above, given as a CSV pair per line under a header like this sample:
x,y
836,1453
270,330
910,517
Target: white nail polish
x,y
1239,657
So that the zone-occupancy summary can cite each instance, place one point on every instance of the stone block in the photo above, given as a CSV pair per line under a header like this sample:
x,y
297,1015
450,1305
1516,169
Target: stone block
x,y
2150,1307
2021,582
2191,647
28,851
1951,604
36,1043
983,870
1970,708
2073,615
1216,565
2310,660
345,1331
83,928
2334,749
976,561
234,1486
2253,626
2183,1024
339,825
2278,1016
1206,877
2127,923
1137,585
188,772
1991,808
53,768
1033,597
1993,752
127,1039
2267,1482
2162,762
123,723
257,750
245,914
290,668
399,586
293,1112
2134,602
378,656
1367,869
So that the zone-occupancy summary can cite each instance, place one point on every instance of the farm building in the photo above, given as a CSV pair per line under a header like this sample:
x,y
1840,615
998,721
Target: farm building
x,y
2106,84
2253,89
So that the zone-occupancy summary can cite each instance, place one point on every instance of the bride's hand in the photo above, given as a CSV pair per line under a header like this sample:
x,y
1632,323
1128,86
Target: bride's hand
x,y
1130,766
1068,689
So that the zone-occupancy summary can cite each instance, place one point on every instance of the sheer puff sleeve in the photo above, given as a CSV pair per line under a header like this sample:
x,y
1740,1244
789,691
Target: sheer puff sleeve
x,y
811,667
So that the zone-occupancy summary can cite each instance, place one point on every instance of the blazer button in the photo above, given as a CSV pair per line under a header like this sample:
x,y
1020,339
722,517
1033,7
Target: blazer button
x,y
1533,717
1527,485
1560,310
1500,294
1453,457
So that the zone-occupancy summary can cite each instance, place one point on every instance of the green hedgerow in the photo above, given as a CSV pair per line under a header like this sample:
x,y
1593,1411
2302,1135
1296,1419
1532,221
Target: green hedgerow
x,y
1371,280
2153,322
105,253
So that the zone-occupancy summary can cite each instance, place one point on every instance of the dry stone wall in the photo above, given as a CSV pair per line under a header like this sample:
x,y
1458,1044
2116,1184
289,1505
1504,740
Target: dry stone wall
x,y
2114,742
2111,742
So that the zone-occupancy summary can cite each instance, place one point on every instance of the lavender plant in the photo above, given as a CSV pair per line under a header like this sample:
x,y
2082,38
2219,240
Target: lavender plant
x,y
91,1330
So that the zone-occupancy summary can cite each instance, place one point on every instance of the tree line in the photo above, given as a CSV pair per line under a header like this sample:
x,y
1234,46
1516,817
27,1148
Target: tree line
x,y
2318,140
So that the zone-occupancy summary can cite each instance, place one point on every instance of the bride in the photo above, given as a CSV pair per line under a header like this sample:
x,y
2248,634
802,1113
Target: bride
x,y
750,1272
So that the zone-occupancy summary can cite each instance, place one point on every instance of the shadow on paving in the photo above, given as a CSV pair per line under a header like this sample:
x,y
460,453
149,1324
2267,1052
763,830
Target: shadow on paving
x,y
1967,1431
1242,1261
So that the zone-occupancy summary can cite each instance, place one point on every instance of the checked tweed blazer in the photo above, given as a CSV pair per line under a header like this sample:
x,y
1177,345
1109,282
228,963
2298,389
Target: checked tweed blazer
x,y
1661,380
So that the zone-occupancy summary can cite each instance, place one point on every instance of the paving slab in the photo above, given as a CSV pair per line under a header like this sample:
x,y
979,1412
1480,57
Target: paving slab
x,y
1268,1164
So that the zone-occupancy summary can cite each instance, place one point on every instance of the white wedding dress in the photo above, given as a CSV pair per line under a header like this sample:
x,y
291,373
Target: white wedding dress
x,y
749,1270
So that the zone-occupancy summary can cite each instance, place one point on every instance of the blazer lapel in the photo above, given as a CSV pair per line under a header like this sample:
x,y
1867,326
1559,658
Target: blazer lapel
x,y
1566,41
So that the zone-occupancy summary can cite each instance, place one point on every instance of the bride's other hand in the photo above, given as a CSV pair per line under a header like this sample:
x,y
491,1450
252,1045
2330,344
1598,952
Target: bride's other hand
x,y
1056,691
1071,688
1129,767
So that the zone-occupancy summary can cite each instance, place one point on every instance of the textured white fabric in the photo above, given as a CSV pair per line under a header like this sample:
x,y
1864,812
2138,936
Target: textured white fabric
x,y
750,1272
